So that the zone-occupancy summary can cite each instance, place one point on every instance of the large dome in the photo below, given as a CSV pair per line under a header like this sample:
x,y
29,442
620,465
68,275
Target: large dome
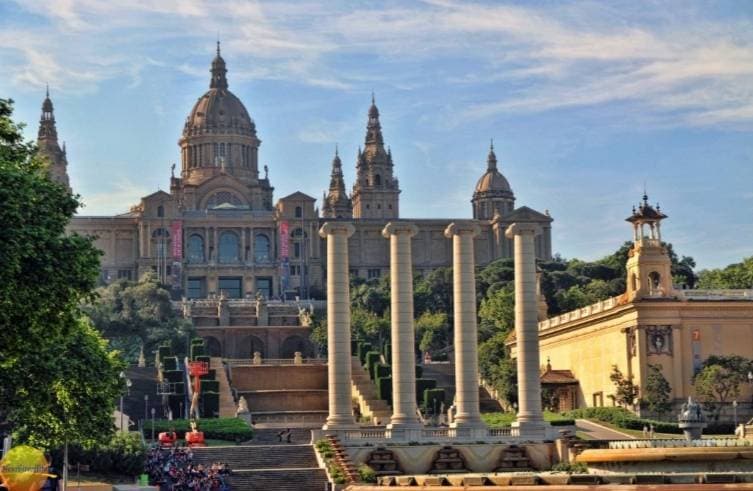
x,y
219,109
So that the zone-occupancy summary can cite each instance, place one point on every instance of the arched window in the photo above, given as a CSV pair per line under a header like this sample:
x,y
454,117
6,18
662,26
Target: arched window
x,y
377,180
160,211
195,249
261,248
298,212
216,151
654,281
229,248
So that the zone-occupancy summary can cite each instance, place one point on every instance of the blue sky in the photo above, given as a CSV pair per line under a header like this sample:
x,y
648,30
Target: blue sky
x,y
586,101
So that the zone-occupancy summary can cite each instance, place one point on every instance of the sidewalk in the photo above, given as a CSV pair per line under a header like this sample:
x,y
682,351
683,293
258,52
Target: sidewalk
x,y
596,431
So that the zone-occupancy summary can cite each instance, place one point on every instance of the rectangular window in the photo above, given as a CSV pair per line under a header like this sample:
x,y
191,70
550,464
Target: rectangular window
x,y
196,288
124,274
374,273
231,286
353,273
297,249
264,286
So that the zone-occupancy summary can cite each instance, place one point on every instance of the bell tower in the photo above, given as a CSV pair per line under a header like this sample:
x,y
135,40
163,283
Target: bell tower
x,y
47,142
649,268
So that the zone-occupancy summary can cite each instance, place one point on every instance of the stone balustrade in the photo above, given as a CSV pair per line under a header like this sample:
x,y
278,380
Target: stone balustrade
x,y
424,435
679,443
247,362
580,313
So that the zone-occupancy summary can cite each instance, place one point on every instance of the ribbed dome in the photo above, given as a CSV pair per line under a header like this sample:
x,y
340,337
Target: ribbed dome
x,y
219,109
492,181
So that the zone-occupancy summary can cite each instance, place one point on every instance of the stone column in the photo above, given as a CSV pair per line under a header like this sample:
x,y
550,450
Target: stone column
x,y
530,416
338,325
402,334
466,335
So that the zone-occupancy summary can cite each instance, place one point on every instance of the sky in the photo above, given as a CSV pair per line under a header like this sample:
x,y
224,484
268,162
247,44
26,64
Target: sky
x,y
588,102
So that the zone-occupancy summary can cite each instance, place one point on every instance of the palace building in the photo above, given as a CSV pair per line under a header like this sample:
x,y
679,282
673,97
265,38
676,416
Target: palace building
x,y
218,228
652,323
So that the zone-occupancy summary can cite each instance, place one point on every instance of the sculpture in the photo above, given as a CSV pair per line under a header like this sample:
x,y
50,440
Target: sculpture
x,y
691,419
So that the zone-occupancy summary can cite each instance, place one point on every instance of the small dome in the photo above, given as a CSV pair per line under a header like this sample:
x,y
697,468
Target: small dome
x,y
492,181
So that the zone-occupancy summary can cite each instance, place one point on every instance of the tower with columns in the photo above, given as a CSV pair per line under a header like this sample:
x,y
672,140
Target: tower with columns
x,y
49,148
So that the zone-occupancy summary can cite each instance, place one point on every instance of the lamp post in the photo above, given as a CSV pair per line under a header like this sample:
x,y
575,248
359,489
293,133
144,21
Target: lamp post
x,y
734,411
146,407
153,424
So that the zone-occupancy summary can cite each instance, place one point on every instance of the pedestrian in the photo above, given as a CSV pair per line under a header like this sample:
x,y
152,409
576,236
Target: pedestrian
x,y
645,432
289,435
280,435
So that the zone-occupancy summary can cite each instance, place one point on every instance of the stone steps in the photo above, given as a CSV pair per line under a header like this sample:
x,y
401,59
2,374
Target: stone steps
x,y
227,403
279,480
268,436
364,390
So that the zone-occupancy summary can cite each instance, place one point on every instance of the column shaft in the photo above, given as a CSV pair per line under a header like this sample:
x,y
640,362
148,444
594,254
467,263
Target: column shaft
x,y
402,328
338,326
466,335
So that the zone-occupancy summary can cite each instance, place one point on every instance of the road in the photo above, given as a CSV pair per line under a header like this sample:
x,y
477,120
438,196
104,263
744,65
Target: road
x,y
598,432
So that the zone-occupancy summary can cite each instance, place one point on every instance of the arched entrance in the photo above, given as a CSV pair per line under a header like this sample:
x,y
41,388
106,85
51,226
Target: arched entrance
x,y
250,345
214,348
296,343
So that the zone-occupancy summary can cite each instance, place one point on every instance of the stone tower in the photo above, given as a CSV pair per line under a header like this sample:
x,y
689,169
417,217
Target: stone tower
x,y
493,194
337,204
47,141
649,268
376,193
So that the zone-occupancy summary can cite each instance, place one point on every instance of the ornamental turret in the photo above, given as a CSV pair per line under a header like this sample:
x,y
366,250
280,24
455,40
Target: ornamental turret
x,y
376,192
337,204
49,148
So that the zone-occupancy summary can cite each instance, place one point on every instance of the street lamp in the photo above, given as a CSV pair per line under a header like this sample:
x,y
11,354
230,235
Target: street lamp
x,y
146,407
128,388
153,424
734,411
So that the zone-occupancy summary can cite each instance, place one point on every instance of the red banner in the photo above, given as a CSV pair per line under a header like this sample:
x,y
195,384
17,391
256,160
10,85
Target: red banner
x,y
176,230
284,239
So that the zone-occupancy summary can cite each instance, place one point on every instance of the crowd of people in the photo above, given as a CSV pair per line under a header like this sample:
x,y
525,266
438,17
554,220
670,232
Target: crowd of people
x,y
173,469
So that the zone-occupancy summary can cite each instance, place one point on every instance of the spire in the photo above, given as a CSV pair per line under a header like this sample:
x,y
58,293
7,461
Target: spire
x,y
491,159
219,81
336,202
47,128
373,128
47,141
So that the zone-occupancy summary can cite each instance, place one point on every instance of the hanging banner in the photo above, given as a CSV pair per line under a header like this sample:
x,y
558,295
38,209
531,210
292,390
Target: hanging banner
x,y
176,231
284,240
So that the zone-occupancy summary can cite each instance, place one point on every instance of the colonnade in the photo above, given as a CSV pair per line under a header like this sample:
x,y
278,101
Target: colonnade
x,y
404,417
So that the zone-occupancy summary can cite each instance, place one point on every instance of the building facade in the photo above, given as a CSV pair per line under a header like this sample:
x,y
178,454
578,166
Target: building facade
x,y
652,323
218,229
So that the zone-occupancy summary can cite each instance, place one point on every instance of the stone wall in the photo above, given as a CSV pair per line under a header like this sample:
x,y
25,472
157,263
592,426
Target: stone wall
x,y
270,377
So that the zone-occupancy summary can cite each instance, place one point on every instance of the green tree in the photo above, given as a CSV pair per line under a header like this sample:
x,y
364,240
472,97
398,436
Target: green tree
x,y
497,312
58,380
657,392
734,276
432,331
625,390
718,382
134,314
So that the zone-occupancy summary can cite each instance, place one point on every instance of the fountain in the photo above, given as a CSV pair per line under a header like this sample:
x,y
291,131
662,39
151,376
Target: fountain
x,y
691,420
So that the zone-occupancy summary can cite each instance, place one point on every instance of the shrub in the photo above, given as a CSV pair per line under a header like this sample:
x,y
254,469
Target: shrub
x,y
422,384
433,399
574,468
231,429
366,474
210,386
372,358
164,352
363,348
173,375
384,389
124,454
197,350
210,405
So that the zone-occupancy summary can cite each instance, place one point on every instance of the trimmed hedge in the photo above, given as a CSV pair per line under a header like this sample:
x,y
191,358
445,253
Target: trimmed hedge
x,y
387,351
622,418
210,405
419,371
433,398
363,348
423,384
210,386
381,370
123,455
197,350
169,363
232,429
164,352
195,341
173,375
372,358
384,388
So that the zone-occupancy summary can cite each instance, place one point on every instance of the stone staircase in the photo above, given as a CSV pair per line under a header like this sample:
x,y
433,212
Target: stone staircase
x,y
227,403
444,374
283,467
364,390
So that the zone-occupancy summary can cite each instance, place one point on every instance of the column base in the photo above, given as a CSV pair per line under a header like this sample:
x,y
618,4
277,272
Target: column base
x,y
404,424
472,423
341,423
531,430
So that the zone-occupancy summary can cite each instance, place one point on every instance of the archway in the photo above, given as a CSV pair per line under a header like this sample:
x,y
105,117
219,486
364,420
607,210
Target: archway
x,y
296,343
250,345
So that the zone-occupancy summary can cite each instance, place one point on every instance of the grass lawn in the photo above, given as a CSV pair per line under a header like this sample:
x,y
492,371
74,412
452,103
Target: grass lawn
x,y
502,420
662,436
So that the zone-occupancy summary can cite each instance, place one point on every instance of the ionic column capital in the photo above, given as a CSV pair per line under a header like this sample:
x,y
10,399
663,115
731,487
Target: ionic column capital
x,y
399,228
523,228
337,228
462,228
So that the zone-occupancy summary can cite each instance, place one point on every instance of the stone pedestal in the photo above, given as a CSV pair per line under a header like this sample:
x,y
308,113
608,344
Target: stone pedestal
x,y
466,335
402,333
530,416
338,325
